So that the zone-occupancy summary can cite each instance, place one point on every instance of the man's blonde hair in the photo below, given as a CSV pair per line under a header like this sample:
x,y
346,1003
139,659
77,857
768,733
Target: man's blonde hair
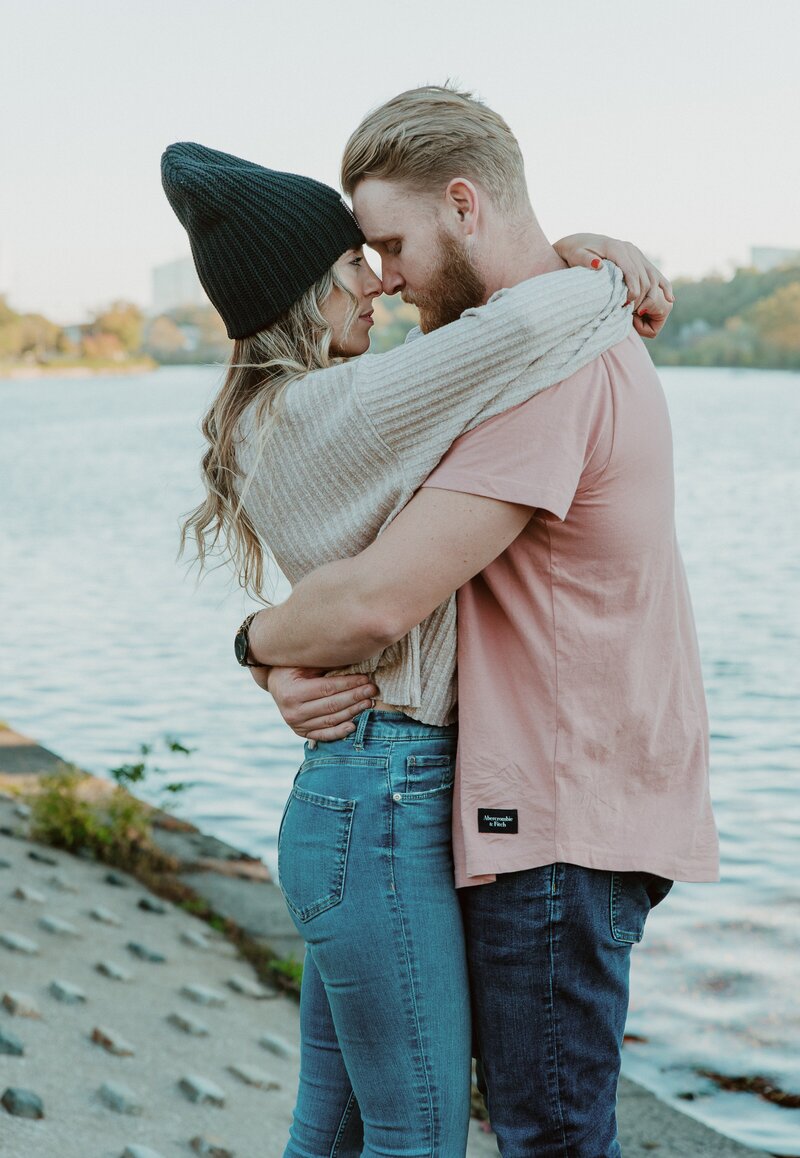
x,y
427,136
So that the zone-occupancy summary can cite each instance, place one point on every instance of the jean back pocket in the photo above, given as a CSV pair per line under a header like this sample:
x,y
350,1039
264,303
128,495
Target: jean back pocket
x,y
312,852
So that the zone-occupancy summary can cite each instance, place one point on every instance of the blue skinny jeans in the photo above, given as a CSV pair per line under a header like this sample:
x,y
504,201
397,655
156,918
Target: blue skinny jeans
x,y
365,866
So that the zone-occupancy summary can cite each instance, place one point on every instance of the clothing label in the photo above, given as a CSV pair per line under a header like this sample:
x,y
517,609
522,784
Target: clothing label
x,y
497,820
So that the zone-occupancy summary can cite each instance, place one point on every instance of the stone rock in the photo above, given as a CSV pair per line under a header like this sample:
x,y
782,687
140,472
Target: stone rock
x,y
20,1004
22,1103
120,1098
61,884
210,1147
23,811
42,857
145,954
140,1152
250,988
188,1025
19,944
202,995
117,879
114,971
9,830
201,1090
104,916
112,1041
10,1044
278,1047
69,994
153,905
5,864
58,927
23,893
196,940
252,1076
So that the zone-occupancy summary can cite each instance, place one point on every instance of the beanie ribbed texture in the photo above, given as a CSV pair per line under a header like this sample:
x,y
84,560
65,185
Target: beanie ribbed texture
x,y
259,238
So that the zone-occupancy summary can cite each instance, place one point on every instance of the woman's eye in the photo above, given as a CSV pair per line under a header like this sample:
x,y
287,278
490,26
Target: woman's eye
x,y
357,261
395,249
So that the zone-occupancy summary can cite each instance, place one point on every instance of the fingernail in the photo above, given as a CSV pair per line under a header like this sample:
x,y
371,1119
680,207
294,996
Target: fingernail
x,y
596,263
642,313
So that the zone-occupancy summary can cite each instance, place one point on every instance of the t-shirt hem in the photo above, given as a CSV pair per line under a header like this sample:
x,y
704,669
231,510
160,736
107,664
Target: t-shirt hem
x,y
688,871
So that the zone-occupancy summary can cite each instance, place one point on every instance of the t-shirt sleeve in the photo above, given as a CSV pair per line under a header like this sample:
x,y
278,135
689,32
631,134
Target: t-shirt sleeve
x,y
539,453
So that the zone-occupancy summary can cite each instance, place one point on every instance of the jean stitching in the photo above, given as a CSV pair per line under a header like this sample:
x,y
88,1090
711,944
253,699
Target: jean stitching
x,y
412,987
625,936
554,1031
347,1114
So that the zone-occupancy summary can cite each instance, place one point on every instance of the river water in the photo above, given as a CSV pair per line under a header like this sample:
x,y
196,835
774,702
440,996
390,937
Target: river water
x,y
106,642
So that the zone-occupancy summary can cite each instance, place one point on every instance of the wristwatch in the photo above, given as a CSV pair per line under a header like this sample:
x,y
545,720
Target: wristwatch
x,y
241,643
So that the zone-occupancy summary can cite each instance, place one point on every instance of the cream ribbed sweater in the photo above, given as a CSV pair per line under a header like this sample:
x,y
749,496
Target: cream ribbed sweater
x,y
352,443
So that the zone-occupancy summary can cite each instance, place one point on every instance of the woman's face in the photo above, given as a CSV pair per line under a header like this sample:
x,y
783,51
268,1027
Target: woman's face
x,y
354,272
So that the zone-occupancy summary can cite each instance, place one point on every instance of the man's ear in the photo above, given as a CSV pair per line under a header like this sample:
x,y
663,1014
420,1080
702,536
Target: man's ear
x,y
462,202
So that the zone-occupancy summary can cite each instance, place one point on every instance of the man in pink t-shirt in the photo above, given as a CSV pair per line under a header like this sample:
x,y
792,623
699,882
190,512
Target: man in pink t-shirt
x,y
583,728
582,787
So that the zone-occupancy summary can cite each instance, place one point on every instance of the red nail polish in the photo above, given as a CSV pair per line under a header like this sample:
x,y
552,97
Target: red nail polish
x,y
596,263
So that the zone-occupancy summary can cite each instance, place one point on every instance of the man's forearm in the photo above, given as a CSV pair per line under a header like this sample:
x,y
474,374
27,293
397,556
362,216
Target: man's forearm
x,y
327,621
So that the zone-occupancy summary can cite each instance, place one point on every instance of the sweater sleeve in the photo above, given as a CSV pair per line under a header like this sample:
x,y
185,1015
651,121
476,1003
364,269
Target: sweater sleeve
x,y
550,326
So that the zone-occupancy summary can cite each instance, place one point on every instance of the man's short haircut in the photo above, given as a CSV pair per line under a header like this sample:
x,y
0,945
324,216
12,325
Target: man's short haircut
x,y
427,136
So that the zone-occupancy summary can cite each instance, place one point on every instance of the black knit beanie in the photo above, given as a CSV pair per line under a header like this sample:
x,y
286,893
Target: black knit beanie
x,y
259,238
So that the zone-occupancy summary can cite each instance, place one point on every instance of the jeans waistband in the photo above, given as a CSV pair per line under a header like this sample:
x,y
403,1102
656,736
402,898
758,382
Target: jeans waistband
x,y
374,724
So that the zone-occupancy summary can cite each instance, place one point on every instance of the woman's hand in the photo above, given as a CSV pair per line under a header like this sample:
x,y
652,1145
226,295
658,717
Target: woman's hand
x,y
648,289
318,706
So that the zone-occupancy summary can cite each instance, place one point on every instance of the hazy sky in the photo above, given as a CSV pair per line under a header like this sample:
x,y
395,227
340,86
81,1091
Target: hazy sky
x,y
672,124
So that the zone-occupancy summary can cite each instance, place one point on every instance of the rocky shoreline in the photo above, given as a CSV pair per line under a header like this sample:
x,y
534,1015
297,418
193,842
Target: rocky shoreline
x,y
129,1029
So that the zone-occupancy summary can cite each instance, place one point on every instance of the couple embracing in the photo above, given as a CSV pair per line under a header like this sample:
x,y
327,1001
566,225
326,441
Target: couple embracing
x,y
489,808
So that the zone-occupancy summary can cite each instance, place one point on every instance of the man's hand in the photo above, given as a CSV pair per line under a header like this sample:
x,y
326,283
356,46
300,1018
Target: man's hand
x,y
648,289
318,706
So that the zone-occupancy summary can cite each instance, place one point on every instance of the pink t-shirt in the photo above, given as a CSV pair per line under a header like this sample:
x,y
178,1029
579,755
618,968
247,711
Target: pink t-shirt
x,y
583,725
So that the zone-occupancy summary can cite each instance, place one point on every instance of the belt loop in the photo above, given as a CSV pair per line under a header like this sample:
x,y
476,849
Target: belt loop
x,y
358,737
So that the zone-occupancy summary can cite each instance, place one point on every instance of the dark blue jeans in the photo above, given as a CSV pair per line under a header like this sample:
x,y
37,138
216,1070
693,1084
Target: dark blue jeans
x,y
548,951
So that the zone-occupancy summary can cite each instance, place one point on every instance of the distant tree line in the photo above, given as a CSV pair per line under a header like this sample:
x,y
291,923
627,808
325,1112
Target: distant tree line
x,y
119,335
752,319
112,337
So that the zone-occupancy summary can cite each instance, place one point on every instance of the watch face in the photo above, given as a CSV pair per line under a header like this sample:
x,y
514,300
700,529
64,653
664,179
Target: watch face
x,y
240,647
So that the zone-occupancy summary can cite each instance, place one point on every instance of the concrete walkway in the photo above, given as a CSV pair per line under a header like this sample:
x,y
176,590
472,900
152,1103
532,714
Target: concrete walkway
x,y
143,1033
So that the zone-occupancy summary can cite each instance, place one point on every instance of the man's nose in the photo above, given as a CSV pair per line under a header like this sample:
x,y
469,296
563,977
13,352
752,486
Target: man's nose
x,y
392,281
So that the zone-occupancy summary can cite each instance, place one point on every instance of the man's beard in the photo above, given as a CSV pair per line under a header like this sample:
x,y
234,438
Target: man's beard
x,y
454,286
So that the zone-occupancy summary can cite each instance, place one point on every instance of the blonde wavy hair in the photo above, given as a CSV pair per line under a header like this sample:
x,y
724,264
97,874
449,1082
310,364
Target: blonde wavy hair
x,y
260,369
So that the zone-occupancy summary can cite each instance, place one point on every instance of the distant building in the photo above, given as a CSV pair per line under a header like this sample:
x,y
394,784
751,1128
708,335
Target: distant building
x,y
176,284
767,257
